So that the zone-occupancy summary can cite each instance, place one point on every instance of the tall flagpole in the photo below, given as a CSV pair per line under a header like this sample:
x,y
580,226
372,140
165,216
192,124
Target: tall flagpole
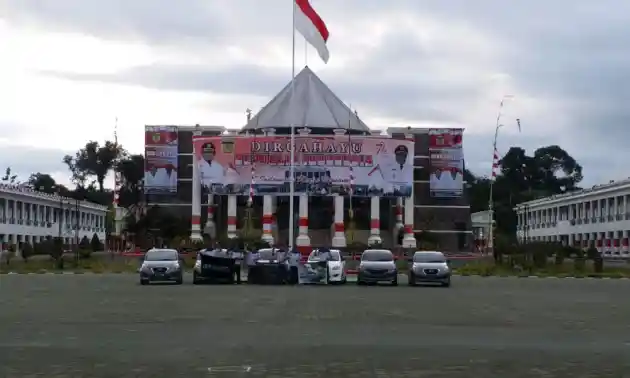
x,y
292,168
490,243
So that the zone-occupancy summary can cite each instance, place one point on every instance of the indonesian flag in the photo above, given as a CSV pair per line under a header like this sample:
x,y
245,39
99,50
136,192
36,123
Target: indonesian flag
x,y
312,27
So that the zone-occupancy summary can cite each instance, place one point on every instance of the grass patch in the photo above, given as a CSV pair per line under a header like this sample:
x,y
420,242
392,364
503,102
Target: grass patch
x,y
93,264
490,268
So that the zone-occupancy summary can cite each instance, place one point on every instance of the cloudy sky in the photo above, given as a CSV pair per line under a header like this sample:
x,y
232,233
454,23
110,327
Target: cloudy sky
x,y
68,68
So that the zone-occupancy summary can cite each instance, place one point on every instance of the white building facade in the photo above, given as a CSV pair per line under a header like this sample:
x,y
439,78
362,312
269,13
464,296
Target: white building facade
x,y
30,216
597,217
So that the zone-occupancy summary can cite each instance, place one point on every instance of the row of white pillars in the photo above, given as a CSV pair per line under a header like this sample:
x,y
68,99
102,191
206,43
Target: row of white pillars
x,y
303,239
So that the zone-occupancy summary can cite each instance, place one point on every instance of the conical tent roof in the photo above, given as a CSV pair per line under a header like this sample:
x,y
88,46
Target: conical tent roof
x,y
309,104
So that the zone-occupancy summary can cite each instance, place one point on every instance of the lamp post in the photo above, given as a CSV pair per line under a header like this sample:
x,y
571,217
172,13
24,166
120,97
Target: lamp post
x,y
76,230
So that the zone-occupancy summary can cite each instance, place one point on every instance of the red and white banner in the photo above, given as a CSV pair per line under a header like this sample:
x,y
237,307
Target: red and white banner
x,y
446,157
380,166
160,159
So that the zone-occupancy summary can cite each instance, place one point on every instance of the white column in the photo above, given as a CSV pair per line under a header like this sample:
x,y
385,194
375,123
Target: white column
x,y
274,221
409,240
617,237
625,248
303,240
231,216
195,218
210,228
375,221
267,234
398,211
339,238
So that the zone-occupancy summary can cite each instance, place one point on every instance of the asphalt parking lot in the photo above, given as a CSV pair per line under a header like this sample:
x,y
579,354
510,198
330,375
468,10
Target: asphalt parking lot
x,y
110,326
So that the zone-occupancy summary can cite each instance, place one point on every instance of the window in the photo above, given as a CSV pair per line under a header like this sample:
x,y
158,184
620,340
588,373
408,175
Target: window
x,y
377,255
161,255
429,257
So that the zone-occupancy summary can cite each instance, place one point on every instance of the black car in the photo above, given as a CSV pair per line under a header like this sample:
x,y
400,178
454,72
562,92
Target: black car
x,y
270,266
217,266
377,265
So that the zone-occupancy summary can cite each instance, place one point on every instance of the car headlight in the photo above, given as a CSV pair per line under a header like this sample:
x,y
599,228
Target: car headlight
x,y
197,264
145,268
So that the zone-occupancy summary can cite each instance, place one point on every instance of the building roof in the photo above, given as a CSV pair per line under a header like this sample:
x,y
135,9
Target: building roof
x,y
309,104
613,187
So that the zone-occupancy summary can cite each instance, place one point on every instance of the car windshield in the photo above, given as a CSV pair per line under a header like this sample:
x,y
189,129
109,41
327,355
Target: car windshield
x,y
161,255
268,254
332,255
377,255
429,257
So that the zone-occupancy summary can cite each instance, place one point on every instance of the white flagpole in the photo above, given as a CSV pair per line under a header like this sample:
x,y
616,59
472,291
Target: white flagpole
x,y
490,242
292,168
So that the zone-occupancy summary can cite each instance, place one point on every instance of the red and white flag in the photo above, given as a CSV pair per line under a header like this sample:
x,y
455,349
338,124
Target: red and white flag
x,y
312,27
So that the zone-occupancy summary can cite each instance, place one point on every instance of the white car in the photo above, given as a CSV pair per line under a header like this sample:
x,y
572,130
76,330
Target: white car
x,y
336,266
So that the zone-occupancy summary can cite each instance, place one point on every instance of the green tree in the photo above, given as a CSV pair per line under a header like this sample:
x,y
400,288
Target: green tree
x,y
9,177
131,169
44,183
93,161
550,170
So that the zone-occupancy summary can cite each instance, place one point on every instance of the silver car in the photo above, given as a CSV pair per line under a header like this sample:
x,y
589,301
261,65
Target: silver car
x,y
161,265
377,265
429,267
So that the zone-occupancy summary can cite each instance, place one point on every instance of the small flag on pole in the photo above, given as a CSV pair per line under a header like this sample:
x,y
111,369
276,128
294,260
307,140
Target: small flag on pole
x,y
518,123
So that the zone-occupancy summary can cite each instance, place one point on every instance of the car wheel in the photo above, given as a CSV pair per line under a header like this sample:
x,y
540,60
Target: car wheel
x,y
196,280
395,282
360,282
447,283
411,281
144,282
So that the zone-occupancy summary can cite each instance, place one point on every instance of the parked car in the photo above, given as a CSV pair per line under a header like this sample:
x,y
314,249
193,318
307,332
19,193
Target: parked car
x,y
217,266
429,267
332,264
270,266
377,265
161,265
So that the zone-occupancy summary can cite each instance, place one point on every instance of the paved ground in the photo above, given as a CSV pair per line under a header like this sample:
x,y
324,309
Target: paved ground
x,y
109,326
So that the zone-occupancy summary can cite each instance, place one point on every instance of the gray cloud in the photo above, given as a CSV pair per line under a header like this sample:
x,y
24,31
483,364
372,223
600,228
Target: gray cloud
x,y
25,161
569,54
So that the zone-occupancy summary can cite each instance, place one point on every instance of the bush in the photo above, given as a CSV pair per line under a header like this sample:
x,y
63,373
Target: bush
x,y
96,244
27,251
85,253
85,242
579,261
56,251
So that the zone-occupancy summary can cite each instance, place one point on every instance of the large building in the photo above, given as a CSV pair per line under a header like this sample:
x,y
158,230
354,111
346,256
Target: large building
x,y
30,216
313,106
596,217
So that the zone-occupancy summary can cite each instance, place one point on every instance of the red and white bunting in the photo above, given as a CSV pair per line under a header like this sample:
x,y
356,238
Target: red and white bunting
x,y
495,164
